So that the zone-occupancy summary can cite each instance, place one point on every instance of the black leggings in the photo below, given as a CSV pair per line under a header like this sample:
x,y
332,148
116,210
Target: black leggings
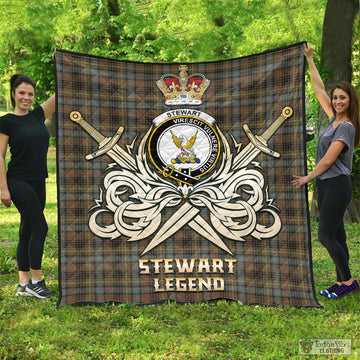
x,y
29,198
334,195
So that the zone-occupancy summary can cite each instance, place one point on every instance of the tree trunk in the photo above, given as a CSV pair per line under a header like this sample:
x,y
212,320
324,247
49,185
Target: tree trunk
x,y
114,10
353,211
336,56
337,40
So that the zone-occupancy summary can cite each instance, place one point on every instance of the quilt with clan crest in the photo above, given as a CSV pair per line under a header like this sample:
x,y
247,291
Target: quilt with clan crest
x,y
174,180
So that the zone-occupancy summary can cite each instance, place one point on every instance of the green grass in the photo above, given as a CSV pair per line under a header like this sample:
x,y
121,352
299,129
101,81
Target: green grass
x,y
32,329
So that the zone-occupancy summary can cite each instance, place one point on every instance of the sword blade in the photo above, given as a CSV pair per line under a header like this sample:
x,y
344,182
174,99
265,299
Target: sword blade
x,y
258,143
122,158
200,225
246,156
180,218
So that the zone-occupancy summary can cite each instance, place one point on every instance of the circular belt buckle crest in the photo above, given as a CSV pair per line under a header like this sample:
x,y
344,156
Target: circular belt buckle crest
x,y
184,145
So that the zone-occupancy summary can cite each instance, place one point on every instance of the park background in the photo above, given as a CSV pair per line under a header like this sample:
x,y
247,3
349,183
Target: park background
x,y
173,31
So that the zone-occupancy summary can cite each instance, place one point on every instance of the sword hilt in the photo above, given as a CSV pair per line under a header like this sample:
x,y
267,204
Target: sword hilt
x,y
260,141
286,113
76,117
106,145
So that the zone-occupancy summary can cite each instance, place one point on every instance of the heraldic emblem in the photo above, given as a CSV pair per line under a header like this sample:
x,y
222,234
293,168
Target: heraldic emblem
x,y
186,163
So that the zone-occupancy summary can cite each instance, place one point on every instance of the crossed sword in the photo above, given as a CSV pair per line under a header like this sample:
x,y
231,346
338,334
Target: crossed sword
x,y
187,213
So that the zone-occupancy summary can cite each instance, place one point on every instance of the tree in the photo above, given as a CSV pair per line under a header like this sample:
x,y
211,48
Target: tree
x,y
337,40
155,31
150,31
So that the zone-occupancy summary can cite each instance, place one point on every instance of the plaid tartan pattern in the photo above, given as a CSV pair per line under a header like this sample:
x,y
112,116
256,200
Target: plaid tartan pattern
x,y
343,290
110,93
330,290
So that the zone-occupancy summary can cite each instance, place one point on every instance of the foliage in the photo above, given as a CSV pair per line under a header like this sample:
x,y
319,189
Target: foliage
x,y
26,43
32,329
356,82
356,55
151,31
158,31
310,157
7,261
285,22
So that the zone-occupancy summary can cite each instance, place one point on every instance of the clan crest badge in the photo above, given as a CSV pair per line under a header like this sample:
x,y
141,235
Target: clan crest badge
x,y
184,145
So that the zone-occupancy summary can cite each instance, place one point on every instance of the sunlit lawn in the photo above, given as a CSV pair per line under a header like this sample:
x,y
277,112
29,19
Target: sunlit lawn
x,y
34,329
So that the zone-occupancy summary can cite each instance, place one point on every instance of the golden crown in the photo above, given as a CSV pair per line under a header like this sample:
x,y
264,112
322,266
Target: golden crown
x,y
183,89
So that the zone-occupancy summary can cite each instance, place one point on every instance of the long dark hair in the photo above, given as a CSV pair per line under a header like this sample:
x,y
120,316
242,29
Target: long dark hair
x,y
15,81
353,110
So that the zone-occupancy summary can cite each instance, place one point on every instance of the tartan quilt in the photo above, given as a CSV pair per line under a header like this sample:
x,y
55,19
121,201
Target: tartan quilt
x,y
174,180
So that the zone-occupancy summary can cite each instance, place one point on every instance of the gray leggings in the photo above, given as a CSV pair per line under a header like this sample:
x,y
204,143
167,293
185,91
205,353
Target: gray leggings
x,y
29,198
334,195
